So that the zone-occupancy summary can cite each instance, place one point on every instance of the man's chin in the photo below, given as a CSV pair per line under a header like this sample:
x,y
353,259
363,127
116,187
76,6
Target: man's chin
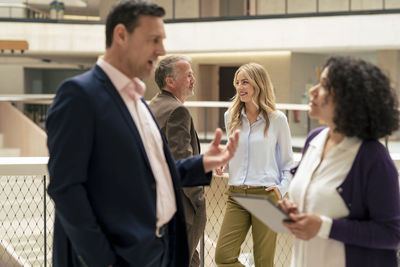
x,y
145,75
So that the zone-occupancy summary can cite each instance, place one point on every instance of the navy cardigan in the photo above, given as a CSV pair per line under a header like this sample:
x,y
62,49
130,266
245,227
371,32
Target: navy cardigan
x,y
371,231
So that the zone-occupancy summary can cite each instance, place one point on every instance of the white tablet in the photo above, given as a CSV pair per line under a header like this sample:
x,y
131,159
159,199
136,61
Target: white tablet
x,y
265,210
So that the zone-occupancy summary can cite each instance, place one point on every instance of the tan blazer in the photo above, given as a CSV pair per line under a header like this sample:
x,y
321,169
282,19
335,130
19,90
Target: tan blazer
x,y
177,125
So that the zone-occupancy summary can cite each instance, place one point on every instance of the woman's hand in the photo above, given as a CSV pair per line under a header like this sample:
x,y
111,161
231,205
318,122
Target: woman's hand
x,y
287,206
305,226
220,171
275,188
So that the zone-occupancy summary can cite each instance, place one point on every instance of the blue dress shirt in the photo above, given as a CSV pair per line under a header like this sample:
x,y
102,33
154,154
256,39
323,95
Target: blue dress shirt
x,y
262,160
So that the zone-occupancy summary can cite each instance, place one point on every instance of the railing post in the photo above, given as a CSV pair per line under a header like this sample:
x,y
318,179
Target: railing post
x,y
286,6
202,250
205,124
45,220
173,9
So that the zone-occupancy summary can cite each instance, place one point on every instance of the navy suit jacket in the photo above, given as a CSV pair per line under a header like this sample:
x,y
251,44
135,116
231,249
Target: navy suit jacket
x,y
102,184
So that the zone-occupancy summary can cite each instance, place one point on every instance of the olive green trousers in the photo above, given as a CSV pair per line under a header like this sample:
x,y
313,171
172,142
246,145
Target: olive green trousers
x,y
237,222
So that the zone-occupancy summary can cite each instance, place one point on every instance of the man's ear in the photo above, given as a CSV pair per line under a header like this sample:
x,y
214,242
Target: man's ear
x,y
169,81
120,34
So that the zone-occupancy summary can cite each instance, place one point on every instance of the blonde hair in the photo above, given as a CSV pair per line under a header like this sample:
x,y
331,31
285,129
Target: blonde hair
x,y
263,98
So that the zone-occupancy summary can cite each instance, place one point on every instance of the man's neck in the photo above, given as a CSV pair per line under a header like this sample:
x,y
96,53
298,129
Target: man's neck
x,y
117,63
180,98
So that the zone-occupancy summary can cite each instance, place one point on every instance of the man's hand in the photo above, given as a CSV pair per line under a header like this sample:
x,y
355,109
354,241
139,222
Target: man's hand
x,y
220,170
217,156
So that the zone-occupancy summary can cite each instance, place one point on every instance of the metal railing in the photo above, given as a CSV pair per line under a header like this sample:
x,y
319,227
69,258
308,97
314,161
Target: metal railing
x,y
21,10
216,202
207,105
26,214
35,106
249,9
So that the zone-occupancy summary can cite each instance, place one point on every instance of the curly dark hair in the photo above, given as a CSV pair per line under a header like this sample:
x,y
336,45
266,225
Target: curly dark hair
x,y
366,104
127,12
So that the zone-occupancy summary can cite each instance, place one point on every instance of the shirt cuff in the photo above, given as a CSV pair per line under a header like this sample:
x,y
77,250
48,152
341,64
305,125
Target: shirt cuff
x,y
325,228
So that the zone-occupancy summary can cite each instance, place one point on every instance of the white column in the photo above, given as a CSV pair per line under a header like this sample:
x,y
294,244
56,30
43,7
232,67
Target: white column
x,y
389,62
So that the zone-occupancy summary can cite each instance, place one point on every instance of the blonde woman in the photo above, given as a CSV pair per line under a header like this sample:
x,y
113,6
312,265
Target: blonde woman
x,y
260,167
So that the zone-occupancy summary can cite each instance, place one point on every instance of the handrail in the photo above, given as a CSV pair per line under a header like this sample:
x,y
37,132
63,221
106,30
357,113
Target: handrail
x,y
47,99
283,15
23,6
37,98
287,15
16,166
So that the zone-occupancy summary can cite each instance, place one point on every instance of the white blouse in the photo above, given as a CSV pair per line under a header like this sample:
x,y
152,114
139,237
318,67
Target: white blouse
x,y
314,190
262,160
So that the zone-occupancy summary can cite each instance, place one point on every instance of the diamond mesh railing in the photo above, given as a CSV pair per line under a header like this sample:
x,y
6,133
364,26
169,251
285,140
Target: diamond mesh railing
x,y
216,199
27,214
26,221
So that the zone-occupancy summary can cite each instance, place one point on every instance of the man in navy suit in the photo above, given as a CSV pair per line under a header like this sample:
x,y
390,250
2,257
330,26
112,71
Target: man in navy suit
x,y
115,186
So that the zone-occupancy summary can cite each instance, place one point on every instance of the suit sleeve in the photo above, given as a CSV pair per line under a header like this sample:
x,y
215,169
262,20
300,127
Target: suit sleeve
x,y
192,173
70,129
381,230
178,133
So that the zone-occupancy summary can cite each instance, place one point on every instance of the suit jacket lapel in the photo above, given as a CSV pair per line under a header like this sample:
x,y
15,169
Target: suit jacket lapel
x,y
167,153
163,139
122,108
197,138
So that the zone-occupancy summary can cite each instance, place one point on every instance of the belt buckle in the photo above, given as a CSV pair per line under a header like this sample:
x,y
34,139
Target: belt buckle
x,y
161,231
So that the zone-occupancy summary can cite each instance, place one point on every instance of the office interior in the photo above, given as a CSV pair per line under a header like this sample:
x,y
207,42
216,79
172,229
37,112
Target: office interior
x,y
290,38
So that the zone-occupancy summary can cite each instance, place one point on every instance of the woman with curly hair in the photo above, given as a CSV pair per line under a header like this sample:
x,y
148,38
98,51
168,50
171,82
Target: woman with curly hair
x,y
260,167
346,189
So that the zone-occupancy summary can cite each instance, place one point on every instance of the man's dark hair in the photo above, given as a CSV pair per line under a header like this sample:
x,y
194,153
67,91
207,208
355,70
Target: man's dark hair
x,y
366,104
127,12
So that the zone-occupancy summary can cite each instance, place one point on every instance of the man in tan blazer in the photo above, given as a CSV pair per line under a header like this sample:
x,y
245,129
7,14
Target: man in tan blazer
x,y
174,77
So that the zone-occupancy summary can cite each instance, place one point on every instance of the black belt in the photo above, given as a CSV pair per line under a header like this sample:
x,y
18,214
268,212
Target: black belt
x,y
161,231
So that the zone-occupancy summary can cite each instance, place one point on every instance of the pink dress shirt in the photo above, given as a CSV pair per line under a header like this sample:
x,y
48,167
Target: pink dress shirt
x,y
131,91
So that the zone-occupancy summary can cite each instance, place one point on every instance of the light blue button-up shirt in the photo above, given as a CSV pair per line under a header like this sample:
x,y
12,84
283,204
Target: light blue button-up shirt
x,y
262,160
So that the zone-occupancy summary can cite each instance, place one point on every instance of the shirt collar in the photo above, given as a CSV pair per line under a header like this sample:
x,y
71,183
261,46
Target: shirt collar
x,y
118,79
170,94
259,117
319,141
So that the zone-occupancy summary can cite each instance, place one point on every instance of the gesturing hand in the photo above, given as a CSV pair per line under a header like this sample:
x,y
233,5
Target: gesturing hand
x,y
216,155
220,170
